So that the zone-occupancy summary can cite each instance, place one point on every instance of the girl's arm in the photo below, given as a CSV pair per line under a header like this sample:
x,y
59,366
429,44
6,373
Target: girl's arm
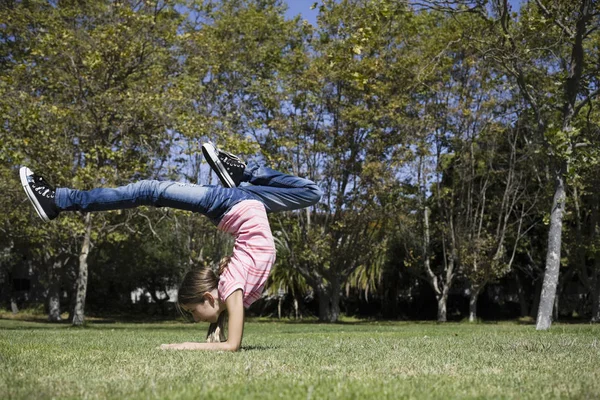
x,y
235,309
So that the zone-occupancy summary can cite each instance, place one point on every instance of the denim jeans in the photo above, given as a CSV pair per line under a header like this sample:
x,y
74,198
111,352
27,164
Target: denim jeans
x,y
277,191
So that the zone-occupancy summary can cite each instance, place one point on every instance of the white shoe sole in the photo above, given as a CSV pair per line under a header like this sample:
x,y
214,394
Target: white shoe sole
x,y
216,163
24,172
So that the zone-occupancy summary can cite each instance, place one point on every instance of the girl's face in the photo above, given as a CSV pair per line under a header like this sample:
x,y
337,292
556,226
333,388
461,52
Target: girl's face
x,y
204,312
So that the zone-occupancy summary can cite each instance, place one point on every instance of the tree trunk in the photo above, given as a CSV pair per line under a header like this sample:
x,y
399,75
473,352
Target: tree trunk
x,y
335,287
296,307
329,301
443,297
442,301
13,305
441,294
324,307
475,290
572,86
595,289
279,307
544,318
78,314
54,292
425,249
596,292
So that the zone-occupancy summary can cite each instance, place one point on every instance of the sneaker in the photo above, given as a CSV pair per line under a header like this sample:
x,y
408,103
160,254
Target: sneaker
x,y
40,193
228,167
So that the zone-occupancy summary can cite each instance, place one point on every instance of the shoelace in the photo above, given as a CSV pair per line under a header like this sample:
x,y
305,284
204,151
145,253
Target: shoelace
x,y
45,192
232,160
233,163
231,156
43,189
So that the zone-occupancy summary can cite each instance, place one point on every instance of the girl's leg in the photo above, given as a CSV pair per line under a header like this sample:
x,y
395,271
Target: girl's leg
x,y
212,201
279,191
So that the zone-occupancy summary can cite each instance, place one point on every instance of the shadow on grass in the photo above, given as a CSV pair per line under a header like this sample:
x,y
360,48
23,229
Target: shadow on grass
x,y
361,322
314,321
259,348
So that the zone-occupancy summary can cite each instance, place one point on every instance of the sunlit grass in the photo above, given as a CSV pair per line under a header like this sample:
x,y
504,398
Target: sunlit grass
x,y
293,360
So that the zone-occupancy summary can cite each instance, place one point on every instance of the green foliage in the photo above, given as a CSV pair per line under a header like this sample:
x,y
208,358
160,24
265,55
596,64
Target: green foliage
x,y
390,109
84,100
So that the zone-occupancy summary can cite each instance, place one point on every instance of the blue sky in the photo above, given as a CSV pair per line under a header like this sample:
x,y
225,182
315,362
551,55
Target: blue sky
x,y
296,7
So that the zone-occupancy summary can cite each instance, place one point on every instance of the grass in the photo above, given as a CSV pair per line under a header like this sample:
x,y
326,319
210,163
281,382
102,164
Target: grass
x,y
301,361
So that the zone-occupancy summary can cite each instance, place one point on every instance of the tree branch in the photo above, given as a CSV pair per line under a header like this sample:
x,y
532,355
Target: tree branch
x,y
565,29
583,102
150,226
595,28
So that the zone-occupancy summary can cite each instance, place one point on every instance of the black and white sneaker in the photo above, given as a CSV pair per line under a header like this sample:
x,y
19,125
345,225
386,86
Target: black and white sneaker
x,y
228,167
40,193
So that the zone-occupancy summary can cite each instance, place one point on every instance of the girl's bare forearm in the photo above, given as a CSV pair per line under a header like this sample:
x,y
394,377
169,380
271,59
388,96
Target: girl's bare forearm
x,y
222,346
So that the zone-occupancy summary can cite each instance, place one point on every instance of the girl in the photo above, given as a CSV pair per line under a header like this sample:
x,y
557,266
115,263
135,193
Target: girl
x,y
237,210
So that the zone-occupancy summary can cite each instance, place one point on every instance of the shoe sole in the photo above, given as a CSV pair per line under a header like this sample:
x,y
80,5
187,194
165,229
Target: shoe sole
x,y
211,157
23,173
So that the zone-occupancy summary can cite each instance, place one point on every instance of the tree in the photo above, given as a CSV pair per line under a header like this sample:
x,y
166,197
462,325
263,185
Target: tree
x,y
546,52
98,95
567,32
284,277
339,126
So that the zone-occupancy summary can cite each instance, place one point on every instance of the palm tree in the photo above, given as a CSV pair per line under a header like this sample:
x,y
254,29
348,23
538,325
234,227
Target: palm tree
x,y
285,279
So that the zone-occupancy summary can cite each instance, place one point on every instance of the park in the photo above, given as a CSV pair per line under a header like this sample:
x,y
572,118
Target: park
x,y
422,178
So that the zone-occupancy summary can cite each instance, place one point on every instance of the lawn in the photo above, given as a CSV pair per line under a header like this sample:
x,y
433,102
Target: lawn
x,y
301,361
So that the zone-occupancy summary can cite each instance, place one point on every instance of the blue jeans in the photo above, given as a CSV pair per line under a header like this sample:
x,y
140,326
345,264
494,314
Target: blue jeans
x,y
277,191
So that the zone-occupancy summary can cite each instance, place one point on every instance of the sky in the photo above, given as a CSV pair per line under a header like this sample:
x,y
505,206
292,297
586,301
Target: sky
x,y
296,7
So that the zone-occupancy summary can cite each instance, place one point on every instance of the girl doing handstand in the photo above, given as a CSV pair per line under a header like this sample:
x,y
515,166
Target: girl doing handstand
x,y
238,210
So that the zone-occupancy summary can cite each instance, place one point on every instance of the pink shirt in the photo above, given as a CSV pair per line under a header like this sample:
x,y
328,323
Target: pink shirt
x,y
253,251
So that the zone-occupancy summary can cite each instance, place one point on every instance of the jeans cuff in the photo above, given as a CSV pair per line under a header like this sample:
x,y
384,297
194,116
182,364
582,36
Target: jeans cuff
x,y
60,197
249,171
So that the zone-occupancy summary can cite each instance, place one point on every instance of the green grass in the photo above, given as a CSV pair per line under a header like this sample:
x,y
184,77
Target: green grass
x,y
301,361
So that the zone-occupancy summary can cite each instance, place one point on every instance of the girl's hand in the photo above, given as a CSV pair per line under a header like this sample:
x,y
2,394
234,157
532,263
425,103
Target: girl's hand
x,y
235,309
224,346
181,346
